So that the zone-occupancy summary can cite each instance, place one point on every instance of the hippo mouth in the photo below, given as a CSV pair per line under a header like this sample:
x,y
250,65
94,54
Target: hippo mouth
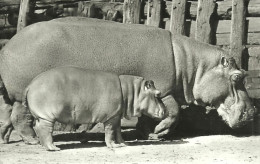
x,y
234,118
159,114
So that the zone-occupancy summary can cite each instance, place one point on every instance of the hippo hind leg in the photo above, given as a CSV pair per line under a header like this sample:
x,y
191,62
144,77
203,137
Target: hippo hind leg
x,y
44,129
113,136
5,132
7,127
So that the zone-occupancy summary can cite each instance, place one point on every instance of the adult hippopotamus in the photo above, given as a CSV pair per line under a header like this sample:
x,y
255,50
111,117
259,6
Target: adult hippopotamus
x,y
184,70
73,95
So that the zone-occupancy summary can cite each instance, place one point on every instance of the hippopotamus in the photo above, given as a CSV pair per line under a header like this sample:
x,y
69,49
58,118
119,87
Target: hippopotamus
x,y
184,70
73,95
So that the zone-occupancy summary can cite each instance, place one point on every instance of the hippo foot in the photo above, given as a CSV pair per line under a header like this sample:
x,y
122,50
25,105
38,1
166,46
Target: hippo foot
x,y
153,136
5,140
32,142
123,144
2,141
115,145
52,148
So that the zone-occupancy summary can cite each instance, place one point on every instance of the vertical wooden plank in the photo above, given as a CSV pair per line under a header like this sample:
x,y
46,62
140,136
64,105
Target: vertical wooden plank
x,y
149,7
156,12
132,11
206,12
237,37
26,9
177,24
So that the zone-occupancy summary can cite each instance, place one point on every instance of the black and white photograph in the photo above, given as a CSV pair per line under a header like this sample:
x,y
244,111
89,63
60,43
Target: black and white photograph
x,y
129,81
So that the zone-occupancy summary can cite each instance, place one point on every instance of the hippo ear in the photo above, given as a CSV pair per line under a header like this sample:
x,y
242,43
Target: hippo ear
x,y
232,63
224,61
149,84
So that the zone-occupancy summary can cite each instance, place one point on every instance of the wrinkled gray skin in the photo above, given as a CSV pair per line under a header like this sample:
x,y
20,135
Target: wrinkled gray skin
x,y
72,95
184,70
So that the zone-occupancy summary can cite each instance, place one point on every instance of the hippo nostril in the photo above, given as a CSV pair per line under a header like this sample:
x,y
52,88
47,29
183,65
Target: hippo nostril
x,y
242,115
252,112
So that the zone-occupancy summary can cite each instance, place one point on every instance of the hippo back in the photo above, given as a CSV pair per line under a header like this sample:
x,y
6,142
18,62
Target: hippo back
x,y
88,43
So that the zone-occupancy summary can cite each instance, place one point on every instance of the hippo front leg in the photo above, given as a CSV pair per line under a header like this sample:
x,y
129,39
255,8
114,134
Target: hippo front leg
x,y
151,129
170,122
113,136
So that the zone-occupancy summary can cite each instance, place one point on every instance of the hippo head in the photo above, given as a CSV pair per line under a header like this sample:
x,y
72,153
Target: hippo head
x,y
149,102
223,87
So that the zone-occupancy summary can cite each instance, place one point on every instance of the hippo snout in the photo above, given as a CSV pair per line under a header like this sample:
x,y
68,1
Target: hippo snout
x,y
245,118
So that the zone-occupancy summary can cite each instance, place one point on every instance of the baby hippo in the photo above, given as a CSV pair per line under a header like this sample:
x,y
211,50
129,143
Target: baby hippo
x,y
72,95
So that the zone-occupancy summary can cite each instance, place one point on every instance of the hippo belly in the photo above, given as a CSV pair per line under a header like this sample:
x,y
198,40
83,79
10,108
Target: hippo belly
x,y
88,43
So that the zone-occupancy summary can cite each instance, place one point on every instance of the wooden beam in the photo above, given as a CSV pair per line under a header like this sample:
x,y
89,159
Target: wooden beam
x,y
156,13
237,37
206,15
178,17
26,9
132,11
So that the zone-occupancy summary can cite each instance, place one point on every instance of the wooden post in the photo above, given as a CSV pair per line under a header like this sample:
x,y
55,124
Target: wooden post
x,y
149,6
156,11
205,20
237,37
177,24
132,11
26,9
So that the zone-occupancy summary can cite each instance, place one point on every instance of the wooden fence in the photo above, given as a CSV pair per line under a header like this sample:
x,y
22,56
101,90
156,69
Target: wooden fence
x,y
231,24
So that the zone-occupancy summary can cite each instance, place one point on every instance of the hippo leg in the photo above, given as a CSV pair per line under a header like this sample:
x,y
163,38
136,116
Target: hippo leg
x,y
150,129
119,138
167,125
44,129
5,132
145,126
7,127
22,121
112,126
8,134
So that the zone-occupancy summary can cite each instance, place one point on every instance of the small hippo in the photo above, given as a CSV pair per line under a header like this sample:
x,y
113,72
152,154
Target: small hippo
x,y
72,95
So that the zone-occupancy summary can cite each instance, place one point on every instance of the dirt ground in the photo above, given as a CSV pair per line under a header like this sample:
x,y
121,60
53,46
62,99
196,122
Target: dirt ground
x,y
209,149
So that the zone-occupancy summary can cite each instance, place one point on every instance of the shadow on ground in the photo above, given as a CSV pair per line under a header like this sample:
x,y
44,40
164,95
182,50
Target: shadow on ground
x,y
131,136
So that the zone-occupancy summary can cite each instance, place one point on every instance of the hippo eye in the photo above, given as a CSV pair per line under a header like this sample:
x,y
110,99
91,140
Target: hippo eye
x,y
236,77
149,84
